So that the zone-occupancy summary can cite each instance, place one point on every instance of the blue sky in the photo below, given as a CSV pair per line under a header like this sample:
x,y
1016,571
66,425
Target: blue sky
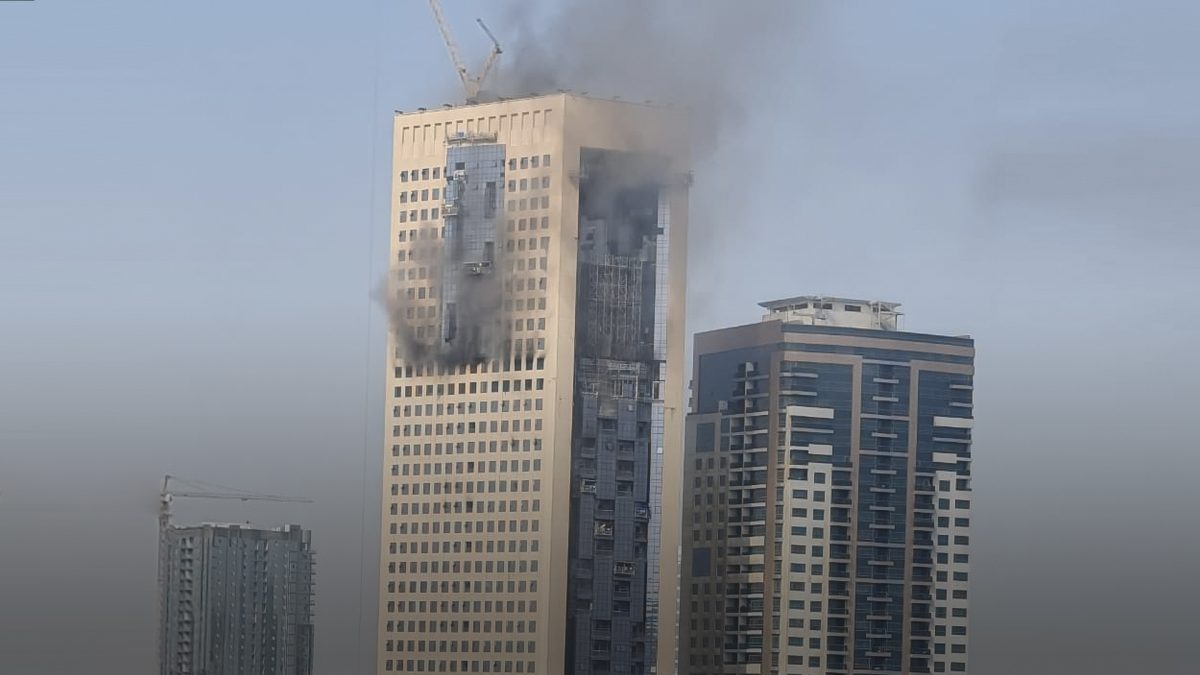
x,y
193,211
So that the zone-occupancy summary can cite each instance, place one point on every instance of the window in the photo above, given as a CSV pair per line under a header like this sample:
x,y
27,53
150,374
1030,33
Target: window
x,y
489,200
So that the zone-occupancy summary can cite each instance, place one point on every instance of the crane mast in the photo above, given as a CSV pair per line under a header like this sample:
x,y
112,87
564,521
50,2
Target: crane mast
x,y
473,84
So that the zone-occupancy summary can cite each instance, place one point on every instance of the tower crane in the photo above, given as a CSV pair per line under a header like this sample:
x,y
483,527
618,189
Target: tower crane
x,y
194,489
203,490
472,84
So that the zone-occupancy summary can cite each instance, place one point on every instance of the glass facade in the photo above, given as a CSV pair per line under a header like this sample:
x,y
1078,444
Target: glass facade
x,y
617,434
471,296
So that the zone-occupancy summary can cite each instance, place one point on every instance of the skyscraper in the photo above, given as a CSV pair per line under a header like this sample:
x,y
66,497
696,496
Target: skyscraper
x,y
534,388
237,600
829,465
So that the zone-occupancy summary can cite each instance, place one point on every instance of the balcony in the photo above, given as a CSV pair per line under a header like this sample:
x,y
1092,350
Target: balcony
x,y
641,512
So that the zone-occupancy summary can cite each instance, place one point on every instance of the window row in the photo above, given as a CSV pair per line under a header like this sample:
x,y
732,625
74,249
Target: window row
x,y
456,666
496,386
457,646
497,587
416,215
420,195
508,627
461,566
521,224
518,445
533,203
461,428
472,487
524,184
492,467
479,507
427,173
468,546
435,449
455,607
449,409
531,162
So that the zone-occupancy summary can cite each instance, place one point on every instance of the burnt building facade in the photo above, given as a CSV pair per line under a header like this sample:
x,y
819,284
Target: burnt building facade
x,y
535,388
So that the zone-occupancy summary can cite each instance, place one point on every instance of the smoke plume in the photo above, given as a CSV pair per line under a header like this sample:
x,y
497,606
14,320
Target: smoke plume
x,y
479,317
715,59
707,56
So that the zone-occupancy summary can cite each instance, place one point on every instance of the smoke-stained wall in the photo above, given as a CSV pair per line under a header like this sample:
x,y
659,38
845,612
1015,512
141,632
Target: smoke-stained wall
x,y
470,302
613,603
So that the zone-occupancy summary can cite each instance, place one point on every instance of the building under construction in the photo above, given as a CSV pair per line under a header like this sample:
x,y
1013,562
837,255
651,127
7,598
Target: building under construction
x,y
535,388
233,599
238,601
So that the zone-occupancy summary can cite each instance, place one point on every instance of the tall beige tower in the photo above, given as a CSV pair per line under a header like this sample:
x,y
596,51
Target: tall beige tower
x,y
531,471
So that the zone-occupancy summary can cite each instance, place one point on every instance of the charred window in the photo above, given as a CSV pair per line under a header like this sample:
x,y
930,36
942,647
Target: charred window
x,y
489,200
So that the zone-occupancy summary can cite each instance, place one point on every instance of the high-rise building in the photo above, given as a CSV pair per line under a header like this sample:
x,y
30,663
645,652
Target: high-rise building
x,y
237,600
828,468
535,388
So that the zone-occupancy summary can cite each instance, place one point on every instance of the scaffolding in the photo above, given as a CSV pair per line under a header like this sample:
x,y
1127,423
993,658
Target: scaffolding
x,y
614,305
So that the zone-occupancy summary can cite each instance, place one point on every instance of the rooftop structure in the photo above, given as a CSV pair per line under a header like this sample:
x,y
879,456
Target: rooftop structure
x,y
816,310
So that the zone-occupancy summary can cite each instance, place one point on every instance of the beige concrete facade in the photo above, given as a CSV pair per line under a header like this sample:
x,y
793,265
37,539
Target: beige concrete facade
x,y
477,457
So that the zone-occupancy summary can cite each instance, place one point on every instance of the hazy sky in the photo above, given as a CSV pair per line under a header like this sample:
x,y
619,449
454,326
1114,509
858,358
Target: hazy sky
x,y
193,211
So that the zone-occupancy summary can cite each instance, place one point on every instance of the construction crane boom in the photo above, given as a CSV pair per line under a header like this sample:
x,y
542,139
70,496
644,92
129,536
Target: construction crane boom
x,y
472,84
238,495
490,63
455,57
167,495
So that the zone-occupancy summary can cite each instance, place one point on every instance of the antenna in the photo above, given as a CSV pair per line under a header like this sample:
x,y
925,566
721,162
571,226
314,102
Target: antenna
x,y
472,84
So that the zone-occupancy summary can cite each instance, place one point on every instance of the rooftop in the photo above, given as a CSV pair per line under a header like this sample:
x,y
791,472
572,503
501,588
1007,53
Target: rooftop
x,y
795,302
533,95
820,310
